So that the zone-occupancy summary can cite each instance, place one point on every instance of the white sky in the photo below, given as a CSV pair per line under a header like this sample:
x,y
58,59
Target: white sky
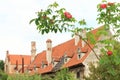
x,y
16,33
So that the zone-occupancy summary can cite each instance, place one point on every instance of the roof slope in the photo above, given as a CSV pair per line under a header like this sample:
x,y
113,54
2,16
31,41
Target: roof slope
x,y
67,48
18,58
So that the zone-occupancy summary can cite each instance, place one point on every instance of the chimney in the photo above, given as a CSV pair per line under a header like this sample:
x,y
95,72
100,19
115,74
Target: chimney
x,y
7,53
33,50
83,37
6,69
49,51
77,38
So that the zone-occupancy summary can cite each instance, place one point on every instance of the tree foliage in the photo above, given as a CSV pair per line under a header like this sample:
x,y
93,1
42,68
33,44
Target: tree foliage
x,y
24,77
53,19
2,65
3,76
109,64
108,68
64,74
108,15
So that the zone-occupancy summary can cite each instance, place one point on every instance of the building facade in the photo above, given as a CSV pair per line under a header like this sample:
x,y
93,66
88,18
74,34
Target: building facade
x,y
74,54
16,63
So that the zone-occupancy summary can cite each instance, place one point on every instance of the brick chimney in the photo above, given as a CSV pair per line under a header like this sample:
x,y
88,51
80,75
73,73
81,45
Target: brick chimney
x,y
49,51
6,69
7,53
83,37
77,39
33,50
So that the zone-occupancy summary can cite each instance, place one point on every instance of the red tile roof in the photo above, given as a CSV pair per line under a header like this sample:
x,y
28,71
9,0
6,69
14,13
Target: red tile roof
x,y
40,57
64,48
67,48
14,58
56,59
74,60
45,70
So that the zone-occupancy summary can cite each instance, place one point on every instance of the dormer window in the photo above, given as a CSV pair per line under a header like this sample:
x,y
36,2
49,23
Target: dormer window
x,y
55,60
78,53
42,65
53,63
79,56
65,58
34,67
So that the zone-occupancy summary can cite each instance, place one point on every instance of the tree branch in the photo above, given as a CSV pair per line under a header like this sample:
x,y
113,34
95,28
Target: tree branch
x,y
90,47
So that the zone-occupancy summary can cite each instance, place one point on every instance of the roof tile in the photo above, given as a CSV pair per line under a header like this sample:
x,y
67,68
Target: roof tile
x,y
14,58
60,50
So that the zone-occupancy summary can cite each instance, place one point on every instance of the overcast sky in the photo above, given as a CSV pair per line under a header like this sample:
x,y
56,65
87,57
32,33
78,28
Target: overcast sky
x,y
16,33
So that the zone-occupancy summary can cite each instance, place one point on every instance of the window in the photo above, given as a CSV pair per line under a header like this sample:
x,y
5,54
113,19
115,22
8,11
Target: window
x,y
42,65
79,56
34,67
53,63
65,60
78,75
79,53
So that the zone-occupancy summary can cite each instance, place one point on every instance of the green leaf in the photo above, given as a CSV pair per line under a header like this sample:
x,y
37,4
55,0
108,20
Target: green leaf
x,y
82,22
118,31
42,32
48,11
36,22
54,5
32,21
112,72
46,30
91,37
55,30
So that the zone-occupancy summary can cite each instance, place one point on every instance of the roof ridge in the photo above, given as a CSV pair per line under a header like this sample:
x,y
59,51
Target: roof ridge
x,y
63,42
17,55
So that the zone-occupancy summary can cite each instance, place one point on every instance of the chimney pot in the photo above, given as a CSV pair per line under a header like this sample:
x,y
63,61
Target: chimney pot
x,y
49,40
7,52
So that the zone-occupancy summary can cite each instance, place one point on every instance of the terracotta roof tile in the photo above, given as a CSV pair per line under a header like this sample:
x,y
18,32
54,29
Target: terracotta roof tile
x,y
44,62
63,48
67,48
38,65
74,60
56,59
14,58
39,59
70,53
45,70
